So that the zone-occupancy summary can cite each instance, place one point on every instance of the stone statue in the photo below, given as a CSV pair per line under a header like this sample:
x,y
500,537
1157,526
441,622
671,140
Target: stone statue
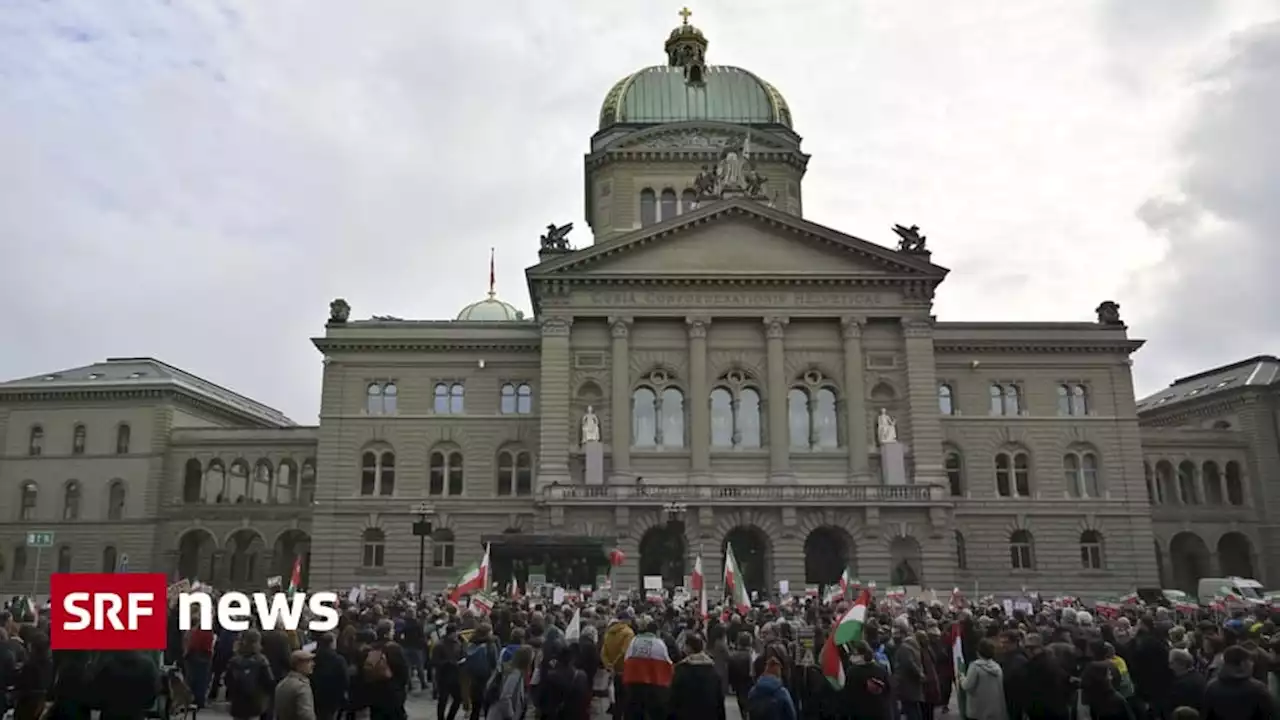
x,y
886,428
557,238
729,172
754,180
590,426
909,239
1109,313
704,185
339,311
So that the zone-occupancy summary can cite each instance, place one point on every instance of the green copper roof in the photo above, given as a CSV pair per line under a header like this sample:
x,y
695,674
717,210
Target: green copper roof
x,y
658,95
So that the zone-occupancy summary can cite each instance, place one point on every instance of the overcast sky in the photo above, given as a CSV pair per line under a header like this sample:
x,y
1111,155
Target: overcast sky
x,y
196,180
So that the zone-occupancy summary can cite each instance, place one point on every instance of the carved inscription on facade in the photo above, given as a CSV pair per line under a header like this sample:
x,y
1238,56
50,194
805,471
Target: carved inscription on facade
x,y
627,298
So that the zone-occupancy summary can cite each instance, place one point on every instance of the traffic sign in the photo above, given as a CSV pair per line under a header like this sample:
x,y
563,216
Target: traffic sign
x,y
40,539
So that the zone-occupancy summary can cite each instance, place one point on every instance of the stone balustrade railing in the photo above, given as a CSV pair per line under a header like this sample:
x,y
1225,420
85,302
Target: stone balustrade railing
x,y
764,494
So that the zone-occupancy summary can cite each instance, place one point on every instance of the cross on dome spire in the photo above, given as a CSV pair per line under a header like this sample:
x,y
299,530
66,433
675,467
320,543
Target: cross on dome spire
x,y
684,14
687,48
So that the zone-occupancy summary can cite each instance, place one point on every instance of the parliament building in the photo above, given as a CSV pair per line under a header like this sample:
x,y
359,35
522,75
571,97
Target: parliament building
x,y
700,366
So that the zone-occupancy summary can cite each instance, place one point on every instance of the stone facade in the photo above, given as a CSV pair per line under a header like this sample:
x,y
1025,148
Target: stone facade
x,y
737,357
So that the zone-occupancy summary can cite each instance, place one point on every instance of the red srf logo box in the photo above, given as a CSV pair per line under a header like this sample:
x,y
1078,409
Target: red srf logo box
x,y
108,611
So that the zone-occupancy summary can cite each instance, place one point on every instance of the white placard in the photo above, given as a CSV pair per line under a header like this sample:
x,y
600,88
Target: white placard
x,y
784,587
652,582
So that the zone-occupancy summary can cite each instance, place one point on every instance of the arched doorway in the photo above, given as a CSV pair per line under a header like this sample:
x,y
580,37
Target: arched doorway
x,y
1160,569
290,545
245,547
905,566
827,551
1189,557
662,552
1235,555
751,550
195,555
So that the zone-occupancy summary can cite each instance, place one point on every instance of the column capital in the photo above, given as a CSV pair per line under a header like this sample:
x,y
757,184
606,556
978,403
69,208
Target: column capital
x,y
851,326
775,326
917,327
697,325
620,325
555,325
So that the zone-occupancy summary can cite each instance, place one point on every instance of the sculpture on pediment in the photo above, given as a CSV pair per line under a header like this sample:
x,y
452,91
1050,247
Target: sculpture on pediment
x,y
909,239
1109,313
754,180
729,172
886,428
339,311
557,238
704,185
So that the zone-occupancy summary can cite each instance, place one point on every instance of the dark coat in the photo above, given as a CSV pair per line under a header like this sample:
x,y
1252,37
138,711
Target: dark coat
x,y
908,671
388,694
329,681
867,692
1186,690
125,685
1236,696
696,691
253,699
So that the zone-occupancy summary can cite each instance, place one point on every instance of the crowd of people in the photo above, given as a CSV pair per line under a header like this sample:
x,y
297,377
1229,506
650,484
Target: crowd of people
x,y
640,660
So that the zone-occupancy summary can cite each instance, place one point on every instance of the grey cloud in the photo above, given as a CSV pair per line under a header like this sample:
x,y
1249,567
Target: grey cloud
x,y
1213,298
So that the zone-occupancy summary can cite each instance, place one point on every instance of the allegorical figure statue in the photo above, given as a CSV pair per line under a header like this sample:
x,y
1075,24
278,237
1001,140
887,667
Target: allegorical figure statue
x,y
590,426
730,170
886,428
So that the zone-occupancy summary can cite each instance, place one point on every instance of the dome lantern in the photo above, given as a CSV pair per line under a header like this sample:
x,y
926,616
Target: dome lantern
x,y
687,49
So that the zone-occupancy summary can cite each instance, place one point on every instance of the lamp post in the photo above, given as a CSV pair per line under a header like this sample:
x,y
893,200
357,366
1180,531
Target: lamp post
x,y
422,528
675,514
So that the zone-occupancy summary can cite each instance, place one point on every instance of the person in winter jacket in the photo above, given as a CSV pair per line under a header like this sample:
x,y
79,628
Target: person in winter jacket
x,y
1013,666
739,671
125,684
613,651
384,675
769,699
250,683
1234,693
696,689
1098,696
1053,693
445,656
868,691
294,699
1186,689
329,678
909,677
983,685
511,701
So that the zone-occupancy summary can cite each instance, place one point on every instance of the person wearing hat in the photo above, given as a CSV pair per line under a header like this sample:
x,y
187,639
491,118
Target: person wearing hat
x,y
294,700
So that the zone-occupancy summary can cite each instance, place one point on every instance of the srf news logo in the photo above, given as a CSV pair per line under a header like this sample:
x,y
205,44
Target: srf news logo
x,y
108,611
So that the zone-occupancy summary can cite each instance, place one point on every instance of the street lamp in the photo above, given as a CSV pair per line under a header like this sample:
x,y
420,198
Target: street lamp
x,y
422,528
675,511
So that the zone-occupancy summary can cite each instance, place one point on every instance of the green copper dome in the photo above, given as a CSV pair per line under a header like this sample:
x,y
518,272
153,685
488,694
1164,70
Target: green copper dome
x,y
661,94
491,309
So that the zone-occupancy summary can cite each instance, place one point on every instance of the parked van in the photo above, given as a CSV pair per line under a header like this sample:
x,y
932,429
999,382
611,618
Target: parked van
x,y
1248,589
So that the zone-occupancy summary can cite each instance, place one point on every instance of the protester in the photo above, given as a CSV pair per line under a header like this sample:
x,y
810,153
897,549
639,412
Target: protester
x,y
250,683
329,679
294,699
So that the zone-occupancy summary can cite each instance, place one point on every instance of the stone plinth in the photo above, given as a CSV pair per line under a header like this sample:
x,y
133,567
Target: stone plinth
x,y
594,451
893,464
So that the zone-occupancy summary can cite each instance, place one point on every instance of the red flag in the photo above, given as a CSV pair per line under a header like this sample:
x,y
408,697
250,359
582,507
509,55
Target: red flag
x,y
493,276
295,577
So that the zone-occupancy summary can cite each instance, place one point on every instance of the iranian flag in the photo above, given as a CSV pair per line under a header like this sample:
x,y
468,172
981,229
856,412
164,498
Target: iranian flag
x,y
473,579
848,629
845,582
958,661
295,577
699,585
733,582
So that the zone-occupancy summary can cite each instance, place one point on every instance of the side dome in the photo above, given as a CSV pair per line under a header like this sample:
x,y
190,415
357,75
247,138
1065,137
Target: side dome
x,y
662,94
491,309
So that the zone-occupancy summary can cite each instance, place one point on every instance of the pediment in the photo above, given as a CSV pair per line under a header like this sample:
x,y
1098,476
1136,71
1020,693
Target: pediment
x,y
696,136
739,238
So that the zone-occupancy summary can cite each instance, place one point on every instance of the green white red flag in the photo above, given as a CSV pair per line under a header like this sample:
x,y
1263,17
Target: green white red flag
x,y
848,629
733,582
295,577
473,580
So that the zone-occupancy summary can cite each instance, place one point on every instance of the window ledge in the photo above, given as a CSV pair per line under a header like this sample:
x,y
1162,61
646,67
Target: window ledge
x,y
361,571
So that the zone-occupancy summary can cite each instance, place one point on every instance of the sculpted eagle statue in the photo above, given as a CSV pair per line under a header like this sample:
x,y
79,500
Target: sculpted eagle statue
x,y
557,238
909,238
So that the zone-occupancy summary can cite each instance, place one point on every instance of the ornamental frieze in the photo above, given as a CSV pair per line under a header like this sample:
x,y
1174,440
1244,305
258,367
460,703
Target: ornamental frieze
x,y
736,299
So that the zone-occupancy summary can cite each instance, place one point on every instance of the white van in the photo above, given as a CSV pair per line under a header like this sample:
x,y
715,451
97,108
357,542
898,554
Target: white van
x,y
1248,589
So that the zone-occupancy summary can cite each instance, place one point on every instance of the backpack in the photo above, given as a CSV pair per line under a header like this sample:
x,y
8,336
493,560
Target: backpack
x,y
479,661
376,666
761,707
243,678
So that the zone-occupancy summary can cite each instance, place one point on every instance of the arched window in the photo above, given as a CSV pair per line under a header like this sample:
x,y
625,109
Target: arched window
x,y
1013,474
390,394
946,403
515,472
798,418
1022,551
115,500
1006,399
735,412
954,466
263,476
110,561
648,207
1150,477
238,481
441,395
671,410
215,482
812,419
28,497
1073,400
374,548
286,483
1080,470
122,439
446,472
669,206
192,482
378,472
373,404
71,501
64,559
457,396
35,444
517,399
307,483
1235,484
962,552
524,400
1187,493
442,548
688,199
1212,478
1091,550
78,435
644,418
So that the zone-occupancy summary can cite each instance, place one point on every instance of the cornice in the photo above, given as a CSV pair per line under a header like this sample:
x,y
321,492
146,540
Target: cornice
x,y
1037,346
1207,408
792,158
111,394
424,345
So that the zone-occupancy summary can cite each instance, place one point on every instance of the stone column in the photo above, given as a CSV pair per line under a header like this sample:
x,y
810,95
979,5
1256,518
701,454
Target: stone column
x,y
855,400
554,393
922,399
620,398
699,400
776,380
